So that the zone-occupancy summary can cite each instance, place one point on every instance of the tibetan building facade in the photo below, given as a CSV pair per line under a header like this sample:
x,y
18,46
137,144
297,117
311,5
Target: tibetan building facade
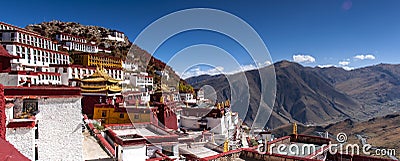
x,y
44,123
100,88
86,57
93,60
34,53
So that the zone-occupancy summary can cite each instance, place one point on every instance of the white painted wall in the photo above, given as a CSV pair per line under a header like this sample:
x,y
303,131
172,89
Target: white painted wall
x,y
217,125
133,153
23,139
190,122
60,130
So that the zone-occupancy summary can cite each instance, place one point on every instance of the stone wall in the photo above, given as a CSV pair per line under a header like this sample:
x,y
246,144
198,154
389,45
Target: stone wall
x,y
23,139
60,129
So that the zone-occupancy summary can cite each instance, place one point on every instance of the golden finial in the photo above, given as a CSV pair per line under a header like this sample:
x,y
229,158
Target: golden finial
x,y
137,103
226,146
227,103
295,128
162,99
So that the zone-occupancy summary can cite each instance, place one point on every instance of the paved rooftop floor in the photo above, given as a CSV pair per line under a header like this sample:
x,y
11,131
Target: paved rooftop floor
x,y
91,149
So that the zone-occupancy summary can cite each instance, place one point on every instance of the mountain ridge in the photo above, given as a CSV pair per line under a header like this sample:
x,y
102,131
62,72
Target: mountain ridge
x,y
311,95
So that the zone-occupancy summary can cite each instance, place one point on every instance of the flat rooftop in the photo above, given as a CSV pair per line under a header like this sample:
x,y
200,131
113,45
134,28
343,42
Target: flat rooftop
x,y
142,129
199,149
126,134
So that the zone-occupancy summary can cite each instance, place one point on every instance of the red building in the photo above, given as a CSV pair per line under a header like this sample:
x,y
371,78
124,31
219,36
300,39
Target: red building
x,y
5,59
164,115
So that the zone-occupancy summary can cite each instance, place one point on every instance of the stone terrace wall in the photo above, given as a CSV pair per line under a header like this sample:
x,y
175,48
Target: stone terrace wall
x,y
60,129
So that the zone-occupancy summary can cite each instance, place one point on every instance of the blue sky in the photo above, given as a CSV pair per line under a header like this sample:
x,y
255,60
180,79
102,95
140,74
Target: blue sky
x,y
355,33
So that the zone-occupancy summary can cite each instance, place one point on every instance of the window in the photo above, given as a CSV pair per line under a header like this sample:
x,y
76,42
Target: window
x,y
136,116
29,108
37,131
12,36
36,153
168,150
104,113
121,115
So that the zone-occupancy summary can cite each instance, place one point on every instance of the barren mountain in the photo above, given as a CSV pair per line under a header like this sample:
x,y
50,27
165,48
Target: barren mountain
x,y
379,132
376,87
303,95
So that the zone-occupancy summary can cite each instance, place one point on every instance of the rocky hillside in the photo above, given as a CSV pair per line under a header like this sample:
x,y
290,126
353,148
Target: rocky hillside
x,y
379,132
320,95
376,87
91,33
118,49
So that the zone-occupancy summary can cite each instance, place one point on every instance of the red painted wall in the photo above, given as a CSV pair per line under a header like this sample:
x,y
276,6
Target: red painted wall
x,y
166,117
170,120
88,103
5,65
2,114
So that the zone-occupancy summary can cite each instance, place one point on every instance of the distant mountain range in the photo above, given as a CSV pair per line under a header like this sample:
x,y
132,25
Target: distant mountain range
x,y
319,96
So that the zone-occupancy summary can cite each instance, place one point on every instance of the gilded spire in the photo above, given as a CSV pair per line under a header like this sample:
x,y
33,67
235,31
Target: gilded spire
x,y
295,128
226,146
162,99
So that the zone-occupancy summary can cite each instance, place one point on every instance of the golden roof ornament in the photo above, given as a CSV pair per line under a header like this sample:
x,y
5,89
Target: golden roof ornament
x,y
162,99
295,128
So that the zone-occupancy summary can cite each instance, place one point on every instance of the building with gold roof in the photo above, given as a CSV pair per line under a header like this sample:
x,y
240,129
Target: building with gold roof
x,y
100,88
101,83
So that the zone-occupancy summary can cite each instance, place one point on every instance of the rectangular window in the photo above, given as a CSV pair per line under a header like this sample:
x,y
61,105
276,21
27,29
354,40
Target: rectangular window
x,y
36,153
136,116
37,130
104,113
29,108
121,115
168,150
12,36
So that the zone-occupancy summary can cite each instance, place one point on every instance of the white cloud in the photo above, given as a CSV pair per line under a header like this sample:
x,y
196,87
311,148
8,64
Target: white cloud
x,y
344,63
220,70
303,58
248,67
345,67
362,57
197,71
348,68
325,66
266,63
245,68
